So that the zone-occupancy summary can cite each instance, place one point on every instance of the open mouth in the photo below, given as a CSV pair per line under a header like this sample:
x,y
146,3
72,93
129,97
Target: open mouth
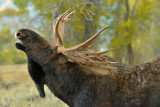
x,y
18,36
19,44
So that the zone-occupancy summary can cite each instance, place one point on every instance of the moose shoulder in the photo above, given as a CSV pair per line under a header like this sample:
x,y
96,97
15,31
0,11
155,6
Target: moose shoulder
x,y
84,78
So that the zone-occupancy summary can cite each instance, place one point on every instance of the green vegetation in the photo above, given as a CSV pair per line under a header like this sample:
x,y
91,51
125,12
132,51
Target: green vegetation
x,y
133,33
18,90
134,26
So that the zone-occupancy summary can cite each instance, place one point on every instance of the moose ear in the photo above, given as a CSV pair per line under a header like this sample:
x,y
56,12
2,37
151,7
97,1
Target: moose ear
x,y
20,46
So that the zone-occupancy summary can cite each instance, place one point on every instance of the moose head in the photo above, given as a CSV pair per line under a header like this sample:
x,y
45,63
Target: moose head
x,y
80,54
84,78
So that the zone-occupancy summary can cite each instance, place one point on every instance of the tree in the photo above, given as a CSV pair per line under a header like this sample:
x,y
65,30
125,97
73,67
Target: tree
x,y
130,22
8,53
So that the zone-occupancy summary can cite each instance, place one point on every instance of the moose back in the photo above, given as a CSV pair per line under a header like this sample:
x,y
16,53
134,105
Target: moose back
x,y
81,77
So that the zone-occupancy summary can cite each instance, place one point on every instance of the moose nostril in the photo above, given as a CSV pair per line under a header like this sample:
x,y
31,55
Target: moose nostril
x,y
18,34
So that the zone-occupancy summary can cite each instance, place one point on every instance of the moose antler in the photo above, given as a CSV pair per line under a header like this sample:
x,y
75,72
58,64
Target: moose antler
x,y
81,54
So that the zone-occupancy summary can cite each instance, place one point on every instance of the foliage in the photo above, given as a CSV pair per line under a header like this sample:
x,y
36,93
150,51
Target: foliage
x,y
21,92
8,52
133,29
133,33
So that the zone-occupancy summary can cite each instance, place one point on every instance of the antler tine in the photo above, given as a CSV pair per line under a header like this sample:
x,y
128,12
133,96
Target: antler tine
x,y
59,24
56,32
66,18
55,36
89,41
99,53
55,26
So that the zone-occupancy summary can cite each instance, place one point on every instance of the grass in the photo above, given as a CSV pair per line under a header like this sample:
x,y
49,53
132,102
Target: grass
x,y
18,90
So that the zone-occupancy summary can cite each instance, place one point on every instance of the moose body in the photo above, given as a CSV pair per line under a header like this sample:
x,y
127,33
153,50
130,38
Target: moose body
x,y
78,86
35,71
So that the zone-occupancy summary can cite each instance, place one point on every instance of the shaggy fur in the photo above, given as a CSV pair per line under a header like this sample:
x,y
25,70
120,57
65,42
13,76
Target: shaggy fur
x,y
130,86
35,71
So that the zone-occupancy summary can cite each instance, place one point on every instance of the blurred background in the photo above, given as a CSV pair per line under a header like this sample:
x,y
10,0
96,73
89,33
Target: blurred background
x,y
134,33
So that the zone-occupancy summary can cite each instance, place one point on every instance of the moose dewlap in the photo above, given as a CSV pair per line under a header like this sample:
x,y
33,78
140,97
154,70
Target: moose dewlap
x,y
81,77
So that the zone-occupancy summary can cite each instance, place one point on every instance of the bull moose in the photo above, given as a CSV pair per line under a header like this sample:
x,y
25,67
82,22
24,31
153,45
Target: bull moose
x,y
81,77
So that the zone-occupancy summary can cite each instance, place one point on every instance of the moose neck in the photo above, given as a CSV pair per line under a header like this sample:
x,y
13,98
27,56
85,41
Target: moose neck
x,y
65,80
41,52
69,81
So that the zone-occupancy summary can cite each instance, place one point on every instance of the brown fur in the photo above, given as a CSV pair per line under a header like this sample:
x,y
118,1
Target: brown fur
x,y
130,86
